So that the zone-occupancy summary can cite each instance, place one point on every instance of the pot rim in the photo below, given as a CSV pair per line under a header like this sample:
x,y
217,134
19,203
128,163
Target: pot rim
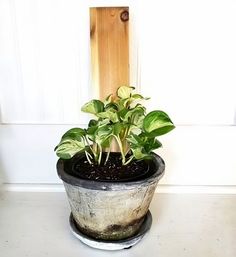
x,y
112,185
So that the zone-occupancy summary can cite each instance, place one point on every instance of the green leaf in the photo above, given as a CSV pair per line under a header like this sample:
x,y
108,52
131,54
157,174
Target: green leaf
x,y
124,92
112,116
134,140
67,148
157,123
141,145
122,113
135,99
108,99
117,128
107,142
123,103
138,153
102,122
92,123
136,111
102,134
94,107
151,144
111,107
132,117
74,133
139,97
91,132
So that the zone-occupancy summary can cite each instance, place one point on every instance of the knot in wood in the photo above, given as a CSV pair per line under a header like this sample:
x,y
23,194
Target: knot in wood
x,y
124,16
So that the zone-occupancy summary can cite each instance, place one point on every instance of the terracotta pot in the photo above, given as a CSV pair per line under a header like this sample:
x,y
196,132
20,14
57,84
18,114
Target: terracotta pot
x,y
110,210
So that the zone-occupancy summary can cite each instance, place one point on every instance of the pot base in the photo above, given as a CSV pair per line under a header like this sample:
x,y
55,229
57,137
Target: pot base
x,y
112,245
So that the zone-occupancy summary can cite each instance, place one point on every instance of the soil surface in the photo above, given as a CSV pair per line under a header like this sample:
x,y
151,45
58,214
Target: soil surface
x,y
112,171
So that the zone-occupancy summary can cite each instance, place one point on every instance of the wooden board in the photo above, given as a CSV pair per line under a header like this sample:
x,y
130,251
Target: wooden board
x,y
109,35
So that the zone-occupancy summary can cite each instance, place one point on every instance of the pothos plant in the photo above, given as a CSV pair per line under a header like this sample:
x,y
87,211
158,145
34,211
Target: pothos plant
x,y
121,119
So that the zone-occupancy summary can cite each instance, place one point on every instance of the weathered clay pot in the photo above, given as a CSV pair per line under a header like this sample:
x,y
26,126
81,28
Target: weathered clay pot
x,y
110,210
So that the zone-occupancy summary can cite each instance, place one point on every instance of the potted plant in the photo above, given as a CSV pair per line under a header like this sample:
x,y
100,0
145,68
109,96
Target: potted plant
x,y
110,192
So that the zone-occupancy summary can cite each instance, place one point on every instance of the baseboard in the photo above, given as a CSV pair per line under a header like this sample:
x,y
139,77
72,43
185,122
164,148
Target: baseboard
x,y
196,189
173,189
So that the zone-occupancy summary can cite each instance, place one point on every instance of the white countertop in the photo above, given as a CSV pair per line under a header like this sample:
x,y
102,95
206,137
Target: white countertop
x,y
196,225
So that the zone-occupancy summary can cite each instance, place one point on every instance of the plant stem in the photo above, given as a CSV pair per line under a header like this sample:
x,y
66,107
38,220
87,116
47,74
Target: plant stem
x,y
95,151
123,141
100,154
129,160
89,144
125,145
88,158
107,157
121,148
127,151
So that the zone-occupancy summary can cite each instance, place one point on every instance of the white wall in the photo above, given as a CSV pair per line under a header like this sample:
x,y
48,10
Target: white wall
x,y
189,57
44,60
183,55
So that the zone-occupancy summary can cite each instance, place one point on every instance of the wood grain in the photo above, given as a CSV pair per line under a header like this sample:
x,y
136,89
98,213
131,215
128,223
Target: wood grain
x,y
109,35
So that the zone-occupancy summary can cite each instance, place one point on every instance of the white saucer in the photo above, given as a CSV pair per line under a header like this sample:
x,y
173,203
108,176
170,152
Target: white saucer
x,y
112,245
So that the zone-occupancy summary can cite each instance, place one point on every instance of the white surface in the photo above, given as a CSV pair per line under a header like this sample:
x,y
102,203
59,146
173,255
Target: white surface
x,y
36,225
26,154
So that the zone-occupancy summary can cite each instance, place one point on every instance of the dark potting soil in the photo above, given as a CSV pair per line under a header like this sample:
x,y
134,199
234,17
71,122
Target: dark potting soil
x,y
112,171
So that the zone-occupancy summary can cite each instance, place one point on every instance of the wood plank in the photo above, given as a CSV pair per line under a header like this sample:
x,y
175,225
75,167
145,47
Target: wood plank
x,y
109,35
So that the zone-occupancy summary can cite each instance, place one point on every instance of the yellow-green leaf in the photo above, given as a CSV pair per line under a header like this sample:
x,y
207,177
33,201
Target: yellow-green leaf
x,y
68,148
93,106
124,91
